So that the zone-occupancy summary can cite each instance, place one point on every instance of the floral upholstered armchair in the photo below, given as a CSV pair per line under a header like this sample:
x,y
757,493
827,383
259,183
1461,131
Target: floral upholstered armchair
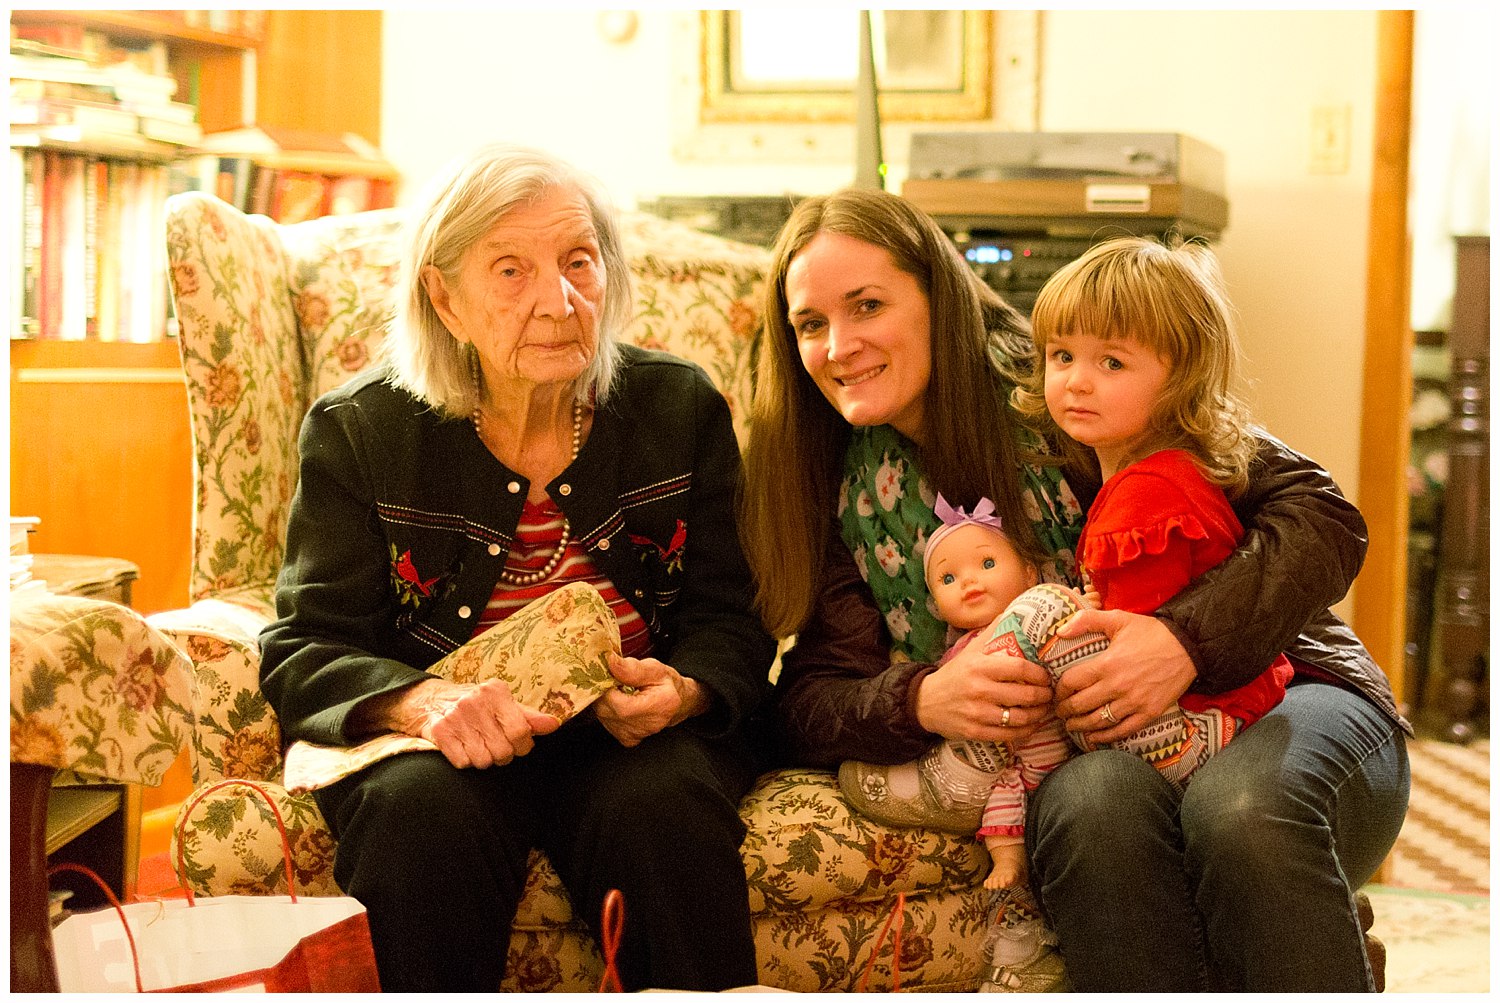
x,y
272,316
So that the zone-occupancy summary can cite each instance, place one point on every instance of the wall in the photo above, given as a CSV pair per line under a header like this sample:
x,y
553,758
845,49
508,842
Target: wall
x,y
1294,252
1246,82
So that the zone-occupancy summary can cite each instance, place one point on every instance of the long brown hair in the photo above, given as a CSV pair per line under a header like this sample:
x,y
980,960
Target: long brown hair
x,y
794,458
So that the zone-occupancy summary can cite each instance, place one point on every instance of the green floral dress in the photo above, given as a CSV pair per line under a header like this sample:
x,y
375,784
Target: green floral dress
x,y
886,515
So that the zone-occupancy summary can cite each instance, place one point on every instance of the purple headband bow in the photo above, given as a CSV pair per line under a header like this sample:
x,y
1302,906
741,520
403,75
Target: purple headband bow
x,y
952,518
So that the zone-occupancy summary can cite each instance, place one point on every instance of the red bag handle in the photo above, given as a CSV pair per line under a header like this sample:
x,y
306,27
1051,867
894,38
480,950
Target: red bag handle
x,y
611,929
135,960
898,917
286,844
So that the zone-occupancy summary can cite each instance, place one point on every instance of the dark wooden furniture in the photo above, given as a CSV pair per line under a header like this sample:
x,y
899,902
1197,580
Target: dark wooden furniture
x,y
86,825
32,966
1462,617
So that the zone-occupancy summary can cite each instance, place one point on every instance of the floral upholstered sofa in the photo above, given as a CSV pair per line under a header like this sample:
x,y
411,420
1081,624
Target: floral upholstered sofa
x,y
272,316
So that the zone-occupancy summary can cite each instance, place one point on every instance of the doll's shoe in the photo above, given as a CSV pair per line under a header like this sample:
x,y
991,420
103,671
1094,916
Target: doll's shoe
x,y
939,791
1019,948
1023,959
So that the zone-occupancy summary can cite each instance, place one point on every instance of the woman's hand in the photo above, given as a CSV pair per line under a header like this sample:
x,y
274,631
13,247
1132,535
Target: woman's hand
x,y
655,696
985,696
1143,673
472,725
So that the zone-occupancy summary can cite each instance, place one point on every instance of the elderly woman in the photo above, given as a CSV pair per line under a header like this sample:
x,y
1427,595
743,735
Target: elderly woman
x,y
885,381
512,445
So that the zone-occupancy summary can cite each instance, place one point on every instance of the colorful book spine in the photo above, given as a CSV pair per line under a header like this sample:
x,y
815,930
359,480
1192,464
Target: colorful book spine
x,y
91,196
31,246
72,324
50,271
15,234
108,313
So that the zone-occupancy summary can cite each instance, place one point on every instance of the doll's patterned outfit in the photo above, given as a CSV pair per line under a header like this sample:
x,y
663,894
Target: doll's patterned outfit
x,y
1029,761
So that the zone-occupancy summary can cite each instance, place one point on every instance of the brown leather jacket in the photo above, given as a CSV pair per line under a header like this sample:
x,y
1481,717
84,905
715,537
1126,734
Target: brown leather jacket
x,y
839,696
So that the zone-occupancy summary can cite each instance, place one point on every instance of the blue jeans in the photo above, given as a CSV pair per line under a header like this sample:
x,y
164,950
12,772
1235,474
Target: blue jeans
x,y
1244,883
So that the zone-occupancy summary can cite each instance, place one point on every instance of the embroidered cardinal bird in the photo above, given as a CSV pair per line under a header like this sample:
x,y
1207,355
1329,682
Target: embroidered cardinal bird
x,y
667,552
408,572
671,554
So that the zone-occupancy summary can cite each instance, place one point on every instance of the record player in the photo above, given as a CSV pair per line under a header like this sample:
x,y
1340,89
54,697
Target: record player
x,y
1070,182
1021,205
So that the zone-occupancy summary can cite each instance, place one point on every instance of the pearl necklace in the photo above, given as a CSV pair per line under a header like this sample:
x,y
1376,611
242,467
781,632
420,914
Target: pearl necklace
x,y
510,577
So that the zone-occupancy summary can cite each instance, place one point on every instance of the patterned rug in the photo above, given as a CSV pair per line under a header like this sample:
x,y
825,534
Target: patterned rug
x,y
1445,843
1433,909
1434,942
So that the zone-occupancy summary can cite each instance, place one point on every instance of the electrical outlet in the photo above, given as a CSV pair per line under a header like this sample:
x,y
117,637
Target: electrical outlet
x,y
1329,145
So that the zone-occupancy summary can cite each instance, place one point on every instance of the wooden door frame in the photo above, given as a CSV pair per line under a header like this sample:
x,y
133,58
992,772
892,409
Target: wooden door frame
x,y
1385,427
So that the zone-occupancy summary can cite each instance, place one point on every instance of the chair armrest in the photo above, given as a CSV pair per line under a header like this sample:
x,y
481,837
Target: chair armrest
x,y
237,734
95,690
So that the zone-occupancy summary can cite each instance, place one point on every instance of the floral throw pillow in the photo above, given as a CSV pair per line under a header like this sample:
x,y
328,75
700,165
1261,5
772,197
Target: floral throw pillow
x,y
553,654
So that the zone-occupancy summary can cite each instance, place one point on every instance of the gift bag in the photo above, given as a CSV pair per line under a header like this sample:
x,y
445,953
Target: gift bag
x,y
241,943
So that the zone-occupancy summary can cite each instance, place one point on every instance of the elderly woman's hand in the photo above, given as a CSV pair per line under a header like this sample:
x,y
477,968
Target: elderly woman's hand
x,y
472,725
985,696
1140,676
652,696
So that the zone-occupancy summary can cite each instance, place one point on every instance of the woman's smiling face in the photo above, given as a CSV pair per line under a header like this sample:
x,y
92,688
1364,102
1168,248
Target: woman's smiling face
x,y
863,329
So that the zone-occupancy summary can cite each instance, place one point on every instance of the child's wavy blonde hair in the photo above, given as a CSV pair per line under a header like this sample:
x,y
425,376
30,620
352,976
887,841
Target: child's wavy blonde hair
x,y
1169,297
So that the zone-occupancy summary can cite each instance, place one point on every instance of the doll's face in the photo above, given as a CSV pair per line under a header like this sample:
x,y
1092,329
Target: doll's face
x,y
974,574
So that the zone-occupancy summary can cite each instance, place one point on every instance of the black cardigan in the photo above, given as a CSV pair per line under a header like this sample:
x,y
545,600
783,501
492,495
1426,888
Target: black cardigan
x,y
390,490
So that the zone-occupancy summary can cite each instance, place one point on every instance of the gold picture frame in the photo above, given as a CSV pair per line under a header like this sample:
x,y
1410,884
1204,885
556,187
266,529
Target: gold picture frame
x,y
727,99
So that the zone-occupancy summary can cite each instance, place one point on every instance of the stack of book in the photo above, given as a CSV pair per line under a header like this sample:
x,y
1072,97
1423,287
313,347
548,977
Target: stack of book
x,y
73,86
22,584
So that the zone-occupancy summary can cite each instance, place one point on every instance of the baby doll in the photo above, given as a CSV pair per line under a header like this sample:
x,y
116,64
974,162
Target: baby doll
x,y
981,584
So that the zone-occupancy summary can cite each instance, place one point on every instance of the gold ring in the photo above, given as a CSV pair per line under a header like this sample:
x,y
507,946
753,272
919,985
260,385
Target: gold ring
x,y
1109,715
1005,718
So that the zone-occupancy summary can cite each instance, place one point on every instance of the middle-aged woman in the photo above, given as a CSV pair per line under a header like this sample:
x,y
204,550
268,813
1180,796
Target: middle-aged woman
x,y
885,380
510,446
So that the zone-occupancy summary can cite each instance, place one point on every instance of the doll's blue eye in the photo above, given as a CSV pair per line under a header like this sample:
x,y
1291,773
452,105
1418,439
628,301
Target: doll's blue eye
x,y
947,579
989,562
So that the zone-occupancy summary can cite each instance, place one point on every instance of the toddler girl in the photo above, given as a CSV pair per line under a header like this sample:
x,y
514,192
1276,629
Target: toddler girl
x,y
1136,372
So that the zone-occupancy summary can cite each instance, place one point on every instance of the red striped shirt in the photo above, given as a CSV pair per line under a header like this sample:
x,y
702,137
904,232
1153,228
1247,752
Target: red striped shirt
x,y
535,542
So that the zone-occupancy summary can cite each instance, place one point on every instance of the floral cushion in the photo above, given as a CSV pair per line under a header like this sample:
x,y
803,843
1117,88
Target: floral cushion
x,y
553,655
236,734
95,691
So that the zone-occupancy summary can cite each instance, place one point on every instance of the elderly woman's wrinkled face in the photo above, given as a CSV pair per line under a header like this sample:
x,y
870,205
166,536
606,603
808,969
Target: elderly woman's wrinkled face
x,y
529,292
863,331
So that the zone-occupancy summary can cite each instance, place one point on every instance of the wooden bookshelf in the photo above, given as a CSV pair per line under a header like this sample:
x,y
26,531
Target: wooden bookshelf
x,y
141,26
313,69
